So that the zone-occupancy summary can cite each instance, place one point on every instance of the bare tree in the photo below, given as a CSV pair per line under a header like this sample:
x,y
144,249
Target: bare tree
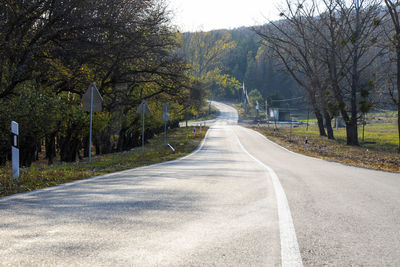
x,y
350,34
393,10
295,44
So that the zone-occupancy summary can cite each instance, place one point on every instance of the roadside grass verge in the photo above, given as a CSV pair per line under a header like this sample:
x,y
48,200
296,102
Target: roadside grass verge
x,y
378,151
38,177
206,113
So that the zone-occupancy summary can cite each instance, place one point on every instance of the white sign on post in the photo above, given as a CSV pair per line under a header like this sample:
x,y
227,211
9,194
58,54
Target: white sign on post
x,y
15,149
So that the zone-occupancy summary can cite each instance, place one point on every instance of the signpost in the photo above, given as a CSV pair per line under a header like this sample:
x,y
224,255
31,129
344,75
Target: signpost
x,y
165,117
92,102
143,109
15,149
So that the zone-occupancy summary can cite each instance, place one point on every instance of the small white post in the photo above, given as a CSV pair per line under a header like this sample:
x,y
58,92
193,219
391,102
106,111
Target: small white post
x,y
306,144
15,149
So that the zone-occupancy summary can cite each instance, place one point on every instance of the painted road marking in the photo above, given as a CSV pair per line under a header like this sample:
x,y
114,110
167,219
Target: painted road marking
x,y
290,253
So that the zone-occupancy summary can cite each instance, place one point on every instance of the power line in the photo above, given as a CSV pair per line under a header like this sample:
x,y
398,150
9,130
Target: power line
x,y
287,100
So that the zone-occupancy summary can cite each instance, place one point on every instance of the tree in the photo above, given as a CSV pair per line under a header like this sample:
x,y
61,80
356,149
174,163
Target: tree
x,y
206,50
294,44
328,52
255,97
51,51
349,34
392,8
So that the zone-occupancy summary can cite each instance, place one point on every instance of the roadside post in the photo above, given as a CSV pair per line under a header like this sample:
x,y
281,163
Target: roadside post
x,y
92,102
306,144
165,117
143,109
15,149
257,110
194,131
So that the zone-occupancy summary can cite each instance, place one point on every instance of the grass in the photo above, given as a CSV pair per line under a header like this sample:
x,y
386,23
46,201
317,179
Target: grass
x,y
38,177
378,151
204,114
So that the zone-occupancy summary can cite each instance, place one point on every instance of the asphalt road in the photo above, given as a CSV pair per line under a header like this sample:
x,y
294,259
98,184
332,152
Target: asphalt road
x,y
240,200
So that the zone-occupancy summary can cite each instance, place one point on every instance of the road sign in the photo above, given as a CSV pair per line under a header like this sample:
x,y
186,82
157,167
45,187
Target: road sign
x,y
166,116
143,108
97,99
165,108
15,149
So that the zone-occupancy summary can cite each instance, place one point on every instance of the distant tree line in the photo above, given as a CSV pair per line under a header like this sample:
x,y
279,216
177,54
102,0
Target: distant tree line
x,y
51,50
225,59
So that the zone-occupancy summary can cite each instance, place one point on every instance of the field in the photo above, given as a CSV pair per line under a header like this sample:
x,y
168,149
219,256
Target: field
x,y
378,150
40,176
378,144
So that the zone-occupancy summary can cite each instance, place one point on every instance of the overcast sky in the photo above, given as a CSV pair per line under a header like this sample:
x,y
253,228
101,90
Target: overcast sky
x,y
193,15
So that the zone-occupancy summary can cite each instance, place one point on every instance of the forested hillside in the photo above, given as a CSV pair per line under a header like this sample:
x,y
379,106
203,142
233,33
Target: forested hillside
x,y
228,58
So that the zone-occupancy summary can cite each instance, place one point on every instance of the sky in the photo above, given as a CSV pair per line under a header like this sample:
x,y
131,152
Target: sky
x,y
195,15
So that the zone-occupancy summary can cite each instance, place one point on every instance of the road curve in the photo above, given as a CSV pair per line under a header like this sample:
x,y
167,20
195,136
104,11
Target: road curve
x,y
240,200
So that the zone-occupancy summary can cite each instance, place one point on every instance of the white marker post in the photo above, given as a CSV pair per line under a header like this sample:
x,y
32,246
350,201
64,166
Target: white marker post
x,y
306,144
15,149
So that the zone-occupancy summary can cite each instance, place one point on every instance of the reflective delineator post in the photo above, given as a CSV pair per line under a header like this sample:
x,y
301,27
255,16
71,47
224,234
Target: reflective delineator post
x,y
15,149
306,144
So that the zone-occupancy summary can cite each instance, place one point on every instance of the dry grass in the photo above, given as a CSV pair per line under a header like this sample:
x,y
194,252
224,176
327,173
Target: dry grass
x,y
379,153
39,176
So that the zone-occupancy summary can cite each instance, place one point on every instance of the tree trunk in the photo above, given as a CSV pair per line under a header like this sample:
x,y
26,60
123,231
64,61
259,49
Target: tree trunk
x,y
50,148
398,83
69,146
328,123
320,121
398,90
27,151
352,134
398,119
351,125
106,146
317,113
85,143
97,144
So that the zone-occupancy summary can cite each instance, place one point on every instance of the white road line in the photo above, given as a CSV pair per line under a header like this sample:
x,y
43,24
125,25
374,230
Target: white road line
x,y
290,253
4,199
